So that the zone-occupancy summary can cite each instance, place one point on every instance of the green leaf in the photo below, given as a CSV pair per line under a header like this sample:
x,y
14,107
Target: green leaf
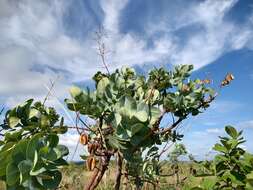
x,y
101,87
37,171
61,151
231,131
25,167
154,114
51,180
115,143
208,183
14,136
141,116
75,91
12,174
33,145
117,118
53,140
220,148
84,157
19,152
14,122
34,113
136,128
60,129
5,158
48,153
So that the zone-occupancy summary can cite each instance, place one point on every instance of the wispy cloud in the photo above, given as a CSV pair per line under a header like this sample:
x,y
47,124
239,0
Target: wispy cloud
x,y
216,36
215,131
35,45
246,124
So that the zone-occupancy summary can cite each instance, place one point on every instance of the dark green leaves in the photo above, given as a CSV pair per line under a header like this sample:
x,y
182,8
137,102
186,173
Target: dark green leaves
x,y
25,167
39,157
12,174
129,107
220,148
231,131
14,122
30,156
232,165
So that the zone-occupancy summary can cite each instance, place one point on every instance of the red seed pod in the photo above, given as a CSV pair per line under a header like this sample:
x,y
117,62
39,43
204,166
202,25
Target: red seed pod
x,y
90,148
84,139
90,163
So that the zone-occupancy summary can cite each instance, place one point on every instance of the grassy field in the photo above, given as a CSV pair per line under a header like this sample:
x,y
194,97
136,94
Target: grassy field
x,y
76,176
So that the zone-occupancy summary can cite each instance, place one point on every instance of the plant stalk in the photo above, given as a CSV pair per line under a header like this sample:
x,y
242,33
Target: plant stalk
x,y
98,173
119,172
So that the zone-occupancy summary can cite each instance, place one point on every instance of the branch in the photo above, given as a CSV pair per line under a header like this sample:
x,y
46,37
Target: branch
x,y
98,176
165,148
76,125
70,127
85,124
119,172
2,110
166,130
49,90
101,48
175,124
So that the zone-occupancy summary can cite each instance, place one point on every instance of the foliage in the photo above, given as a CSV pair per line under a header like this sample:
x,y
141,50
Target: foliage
x,y
128,109
232,167
178,151
30,156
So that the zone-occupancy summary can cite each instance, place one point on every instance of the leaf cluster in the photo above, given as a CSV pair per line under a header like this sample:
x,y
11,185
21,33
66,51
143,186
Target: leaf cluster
x,y
231,168
30,154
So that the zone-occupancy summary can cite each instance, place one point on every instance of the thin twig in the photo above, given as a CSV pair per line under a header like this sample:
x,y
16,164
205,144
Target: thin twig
x,y
168,129
85,124
49,91
2,110
80,128
77,120
62,106
73,155
101,48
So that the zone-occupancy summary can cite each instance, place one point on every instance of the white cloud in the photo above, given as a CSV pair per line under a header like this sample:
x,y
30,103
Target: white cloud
x,y
214,130
225,106
32,34
212,36
201,142
34,46
246,124
215,37
112,9
130,49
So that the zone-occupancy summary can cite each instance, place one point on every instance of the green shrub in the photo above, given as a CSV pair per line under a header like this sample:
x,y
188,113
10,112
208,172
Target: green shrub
x,y
30,156
231,169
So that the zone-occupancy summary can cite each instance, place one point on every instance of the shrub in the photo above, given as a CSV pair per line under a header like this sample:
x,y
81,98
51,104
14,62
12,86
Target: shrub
x,y
127,109
30,156
231,169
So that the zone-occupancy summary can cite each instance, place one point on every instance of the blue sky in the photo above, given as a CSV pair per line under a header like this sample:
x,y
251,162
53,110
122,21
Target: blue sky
x,y
44,40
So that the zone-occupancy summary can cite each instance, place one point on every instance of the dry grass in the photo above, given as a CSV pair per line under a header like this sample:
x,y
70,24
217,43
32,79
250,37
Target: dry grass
x,y
76,176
